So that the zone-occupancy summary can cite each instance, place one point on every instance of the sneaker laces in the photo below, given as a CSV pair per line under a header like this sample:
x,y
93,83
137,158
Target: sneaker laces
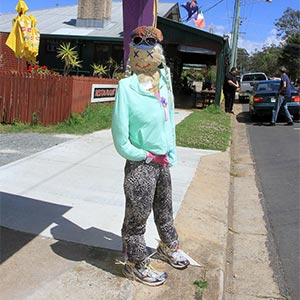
x,y
172,251
144,268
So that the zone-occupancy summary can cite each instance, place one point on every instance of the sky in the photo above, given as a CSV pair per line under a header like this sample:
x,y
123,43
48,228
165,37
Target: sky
x,y
257,17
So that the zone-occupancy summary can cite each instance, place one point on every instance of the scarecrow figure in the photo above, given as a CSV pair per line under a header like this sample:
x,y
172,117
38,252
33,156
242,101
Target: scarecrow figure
x,y
143,131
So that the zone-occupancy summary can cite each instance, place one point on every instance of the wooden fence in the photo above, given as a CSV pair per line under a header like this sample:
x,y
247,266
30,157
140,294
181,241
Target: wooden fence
x,y
46,99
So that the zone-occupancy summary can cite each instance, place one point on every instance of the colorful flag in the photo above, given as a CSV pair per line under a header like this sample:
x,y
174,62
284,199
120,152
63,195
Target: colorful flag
x,y
191,7
200,21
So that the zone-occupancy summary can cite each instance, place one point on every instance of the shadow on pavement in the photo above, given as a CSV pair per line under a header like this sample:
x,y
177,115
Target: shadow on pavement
x,y
25,215
23,219
104,259
12,241
244,117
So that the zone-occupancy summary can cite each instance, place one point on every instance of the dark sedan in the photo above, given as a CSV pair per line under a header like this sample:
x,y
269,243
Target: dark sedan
x,y
263,98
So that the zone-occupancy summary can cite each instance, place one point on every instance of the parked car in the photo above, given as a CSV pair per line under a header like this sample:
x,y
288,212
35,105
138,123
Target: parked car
x,y
263,98
247,82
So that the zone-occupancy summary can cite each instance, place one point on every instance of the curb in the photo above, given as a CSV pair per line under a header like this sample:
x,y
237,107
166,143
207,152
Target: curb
x,y
202,225
216,275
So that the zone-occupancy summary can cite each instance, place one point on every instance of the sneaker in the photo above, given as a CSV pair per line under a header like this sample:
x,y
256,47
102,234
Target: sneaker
x,y
172,255
144,273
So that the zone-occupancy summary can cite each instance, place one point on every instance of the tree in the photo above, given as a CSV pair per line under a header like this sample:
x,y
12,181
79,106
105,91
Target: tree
x,y
271,57
69,56
243,60
288,27
290,57
266,60
289,24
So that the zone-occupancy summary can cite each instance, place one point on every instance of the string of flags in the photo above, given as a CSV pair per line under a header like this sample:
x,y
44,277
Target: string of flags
x,y
195,13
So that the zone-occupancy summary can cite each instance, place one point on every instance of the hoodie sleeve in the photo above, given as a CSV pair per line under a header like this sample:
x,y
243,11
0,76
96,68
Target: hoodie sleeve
x,y
120,126
172,154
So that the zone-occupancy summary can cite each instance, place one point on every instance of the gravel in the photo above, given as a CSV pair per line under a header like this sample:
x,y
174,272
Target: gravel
x,y
19,145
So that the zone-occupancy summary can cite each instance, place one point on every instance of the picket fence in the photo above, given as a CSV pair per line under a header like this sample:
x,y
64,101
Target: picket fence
x,y
45,99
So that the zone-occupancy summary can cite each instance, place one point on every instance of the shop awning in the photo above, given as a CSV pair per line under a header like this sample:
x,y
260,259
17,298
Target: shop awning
x,y
207,48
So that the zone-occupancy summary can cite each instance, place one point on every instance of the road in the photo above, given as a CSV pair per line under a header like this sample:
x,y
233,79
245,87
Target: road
x,y
275,152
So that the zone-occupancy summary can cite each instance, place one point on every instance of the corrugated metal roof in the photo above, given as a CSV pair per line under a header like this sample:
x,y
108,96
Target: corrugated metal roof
x,y
62,21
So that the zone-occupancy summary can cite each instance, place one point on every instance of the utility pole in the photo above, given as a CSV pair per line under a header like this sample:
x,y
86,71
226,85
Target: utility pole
x,y
236,26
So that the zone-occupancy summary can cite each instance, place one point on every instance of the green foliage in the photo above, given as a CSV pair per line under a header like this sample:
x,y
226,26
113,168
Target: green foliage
x,y
109,69
69,56
119,75
271,57
201,285
266,60
99,70
288,28
112,67
189,75
74,120
35,118
204,129
243,60
290,56
192,75
289,24
95,117
210,74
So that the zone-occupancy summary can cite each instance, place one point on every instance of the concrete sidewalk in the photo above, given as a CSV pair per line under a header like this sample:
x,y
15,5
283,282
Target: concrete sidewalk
x,y
69,199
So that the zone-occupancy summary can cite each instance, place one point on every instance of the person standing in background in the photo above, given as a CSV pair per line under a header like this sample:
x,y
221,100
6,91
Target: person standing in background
x,y
283,96
230,86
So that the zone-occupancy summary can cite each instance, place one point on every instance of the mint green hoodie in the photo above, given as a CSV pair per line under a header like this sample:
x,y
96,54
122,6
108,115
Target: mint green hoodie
x,y
141,122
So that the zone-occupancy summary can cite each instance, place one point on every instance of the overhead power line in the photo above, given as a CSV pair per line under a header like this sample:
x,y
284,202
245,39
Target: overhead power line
x,y
212,6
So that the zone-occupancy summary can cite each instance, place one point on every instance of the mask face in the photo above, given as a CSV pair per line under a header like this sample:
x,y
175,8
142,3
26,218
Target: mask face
x,y
144,61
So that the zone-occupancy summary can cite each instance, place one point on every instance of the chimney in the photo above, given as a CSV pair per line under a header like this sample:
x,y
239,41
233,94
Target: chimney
x,y
93,13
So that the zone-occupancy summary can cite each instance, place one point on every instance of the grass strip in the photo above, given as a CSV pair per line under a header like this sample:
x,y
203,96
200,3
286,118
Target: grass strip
x,y
203,129
95,117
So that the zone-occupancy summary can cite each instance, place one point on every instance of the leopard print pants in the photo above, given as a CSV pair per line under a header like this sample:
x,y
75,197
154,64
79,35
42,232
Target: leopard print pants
x,y
146,186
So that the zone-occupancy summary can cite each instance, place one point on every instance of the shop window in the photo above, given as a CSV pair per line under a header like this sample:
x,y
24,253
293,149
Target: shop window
x,y
102,53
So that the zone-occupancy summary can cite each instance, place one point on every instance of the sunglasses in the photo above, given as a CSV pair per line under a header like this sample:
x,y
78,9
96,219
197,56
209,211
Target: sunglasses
x,y
137,40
